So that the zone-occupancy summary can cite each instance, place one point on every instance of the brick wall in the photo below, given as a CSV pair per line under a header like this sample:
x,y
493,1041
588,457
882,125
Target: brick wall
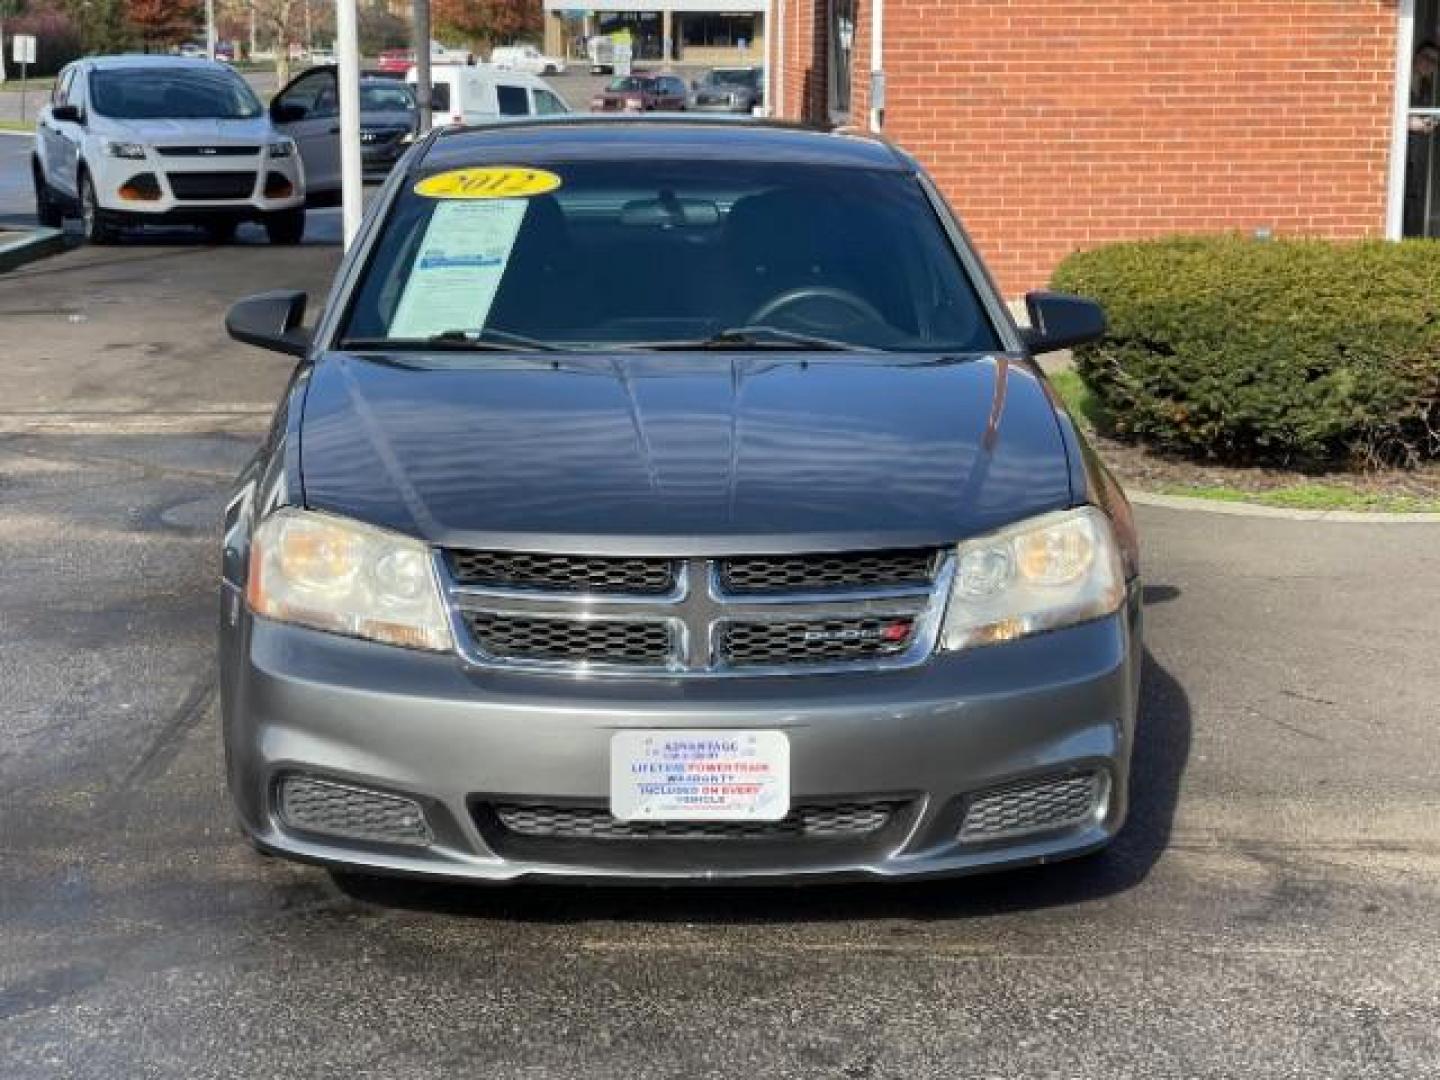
x,y
1054,125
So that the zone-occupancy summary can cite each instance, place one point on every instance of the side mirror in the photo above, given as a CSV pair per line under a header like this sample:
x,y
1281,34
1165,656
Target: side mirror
x,y
1061,321
67,114
271,321
285,113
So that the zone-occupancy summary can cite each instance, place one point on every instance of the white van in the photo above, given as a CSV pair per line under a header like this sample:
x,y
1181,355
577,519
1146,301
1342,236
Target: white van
x,y
480,93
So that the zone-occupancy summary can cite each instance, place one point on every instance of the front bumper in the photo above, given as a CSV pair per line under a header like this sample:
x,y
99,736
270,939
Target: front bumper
x,y
179,189
456,741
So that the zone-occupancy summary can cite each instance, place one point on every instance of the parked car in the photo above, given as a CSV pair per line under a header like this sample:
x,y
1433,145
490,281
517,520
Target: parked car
x,y
322,57
399,61
225,52
766,553
482,93
527,58
308,110
641,93
138,140
729,90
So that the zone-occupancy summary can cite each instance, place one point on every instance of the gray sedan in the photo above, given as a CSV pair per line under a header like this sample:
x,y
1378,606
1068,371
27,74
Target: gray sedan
x,y
308,110
730,90
766,553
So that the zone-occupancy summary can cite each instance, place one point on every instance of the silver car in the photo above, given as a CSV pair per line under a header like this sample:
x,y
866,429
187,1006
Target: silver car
x,y
729,90
673,500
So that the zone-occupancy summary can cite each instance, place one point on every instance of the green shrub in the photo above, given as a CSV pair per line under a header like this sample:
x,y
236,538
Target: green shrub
x,y
1298,352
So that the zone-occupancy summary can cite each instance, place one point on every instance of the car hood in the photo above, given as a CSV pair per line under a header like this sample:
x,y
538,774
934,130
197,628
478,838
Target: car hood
x,y
682,454
212,132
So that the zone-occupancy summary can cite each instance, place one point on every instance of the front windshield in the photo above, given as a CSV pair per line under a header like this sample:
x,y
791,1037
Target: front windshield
x,y
654,254
630,82
172,94
383,97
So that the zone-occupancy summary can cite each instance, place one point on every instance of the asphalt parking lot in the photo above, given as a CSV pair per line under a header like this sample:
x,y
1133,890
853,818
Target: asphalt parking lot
x,y
1270,911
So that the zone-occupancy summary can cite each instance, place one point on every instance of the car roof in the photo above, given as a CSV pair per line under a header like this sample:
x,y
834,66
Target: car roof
x,y
154,60
573,137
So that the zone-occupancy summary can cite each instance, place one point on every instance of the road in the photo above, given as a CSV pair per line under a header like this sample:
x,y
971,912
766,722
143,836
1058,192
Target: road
x,y
1270,911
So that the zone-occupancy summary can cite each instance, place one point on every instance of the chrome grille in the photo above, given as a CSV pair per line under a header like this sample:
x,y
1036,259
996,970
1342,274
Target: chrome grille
x,y
207,151
818,573
1051,803
596,641
770,643
679,617
563,573
322,806
819,821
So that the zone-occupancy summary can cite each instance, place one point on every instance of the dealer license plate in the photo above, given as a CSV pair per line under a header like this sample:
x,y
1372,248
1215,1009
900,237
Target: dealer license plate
x,y
701,775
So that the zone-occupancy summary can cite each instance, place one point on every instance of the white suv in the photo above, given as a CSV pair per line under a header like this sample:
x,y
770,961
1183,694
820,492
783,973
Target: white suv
x,y
129,140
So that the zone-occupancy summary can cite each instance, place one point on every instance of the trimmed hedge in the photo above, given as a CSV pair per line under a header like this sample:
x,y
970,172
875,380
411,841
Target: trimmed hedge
x,y
1293,352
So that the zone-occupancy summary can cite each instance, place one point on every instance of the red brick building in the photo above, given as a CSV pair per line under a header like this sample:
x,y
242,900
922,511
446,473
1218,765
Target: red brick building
x,y
1054,125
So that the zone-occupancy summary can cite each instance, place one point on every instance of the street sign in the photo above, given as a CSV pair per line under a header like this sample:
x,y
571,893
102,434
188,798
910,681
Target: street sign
x,y
22,49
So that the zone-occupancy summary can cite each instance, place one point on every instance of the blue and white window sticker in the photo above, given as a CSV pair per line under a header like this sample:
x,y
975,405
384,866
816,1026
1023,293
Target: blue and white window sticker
x,y
458,268
699,775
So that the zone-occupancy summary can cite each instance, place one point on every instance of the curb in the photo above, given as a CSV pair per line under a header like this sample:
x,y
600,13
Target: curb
x,y
31,246
1338,517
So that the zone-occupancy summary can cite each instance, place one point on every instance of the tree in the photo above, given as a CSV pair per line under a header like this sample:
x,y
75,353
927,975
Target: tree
x,y
277,19
163,22
487,21
102,24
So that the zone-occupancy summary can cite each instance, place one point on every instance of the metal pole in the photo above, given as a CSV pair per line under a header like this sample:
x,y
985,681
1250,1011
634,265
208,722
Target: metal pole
x,y
422,63
347,52
210,29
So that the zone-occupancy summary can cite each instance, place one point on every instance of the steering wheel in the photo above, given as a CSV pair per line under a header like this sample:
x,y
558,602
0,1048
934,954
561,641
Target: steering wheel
x,y
820,297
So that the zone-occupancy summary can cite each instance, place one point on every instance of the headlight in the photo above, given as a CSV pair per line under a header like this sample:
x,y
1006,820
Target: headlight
x,y
332,574
634,103
282,148
1042,574
134,151
597,102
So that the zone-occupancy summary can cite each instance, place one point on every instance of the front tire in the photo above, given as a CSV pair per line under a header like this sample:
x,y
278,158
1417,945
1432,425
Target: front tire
x,y
97,230
286,226
47,208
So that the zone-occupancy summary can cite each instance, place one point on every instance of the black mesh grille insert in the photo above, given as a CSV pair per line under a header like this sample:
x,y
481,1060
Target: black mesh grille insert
x,y
563,573
819,573
216,185
595,823
748,644
517,637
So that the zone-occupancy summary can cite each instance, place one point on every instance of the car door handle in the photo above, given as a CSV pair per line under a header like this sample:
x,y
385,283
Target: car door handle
x,y
335,130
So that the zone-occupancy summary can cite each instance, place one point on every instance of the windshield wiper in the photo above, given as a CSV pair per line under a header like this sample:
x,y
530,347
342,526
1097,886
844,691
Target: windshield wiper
x,y
761,337
486,340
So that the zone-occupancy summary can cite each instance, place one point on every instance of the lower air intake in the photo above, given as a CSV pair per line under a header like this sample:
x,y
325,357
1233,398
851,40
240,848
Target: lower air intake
x,y
1033,806
831,820
322,806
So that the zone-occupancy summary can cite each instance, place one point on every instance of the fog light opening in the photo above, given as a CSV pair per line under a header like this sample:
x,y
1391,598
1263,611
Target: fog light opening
x,y
1046,804
142,188
277,186
325,807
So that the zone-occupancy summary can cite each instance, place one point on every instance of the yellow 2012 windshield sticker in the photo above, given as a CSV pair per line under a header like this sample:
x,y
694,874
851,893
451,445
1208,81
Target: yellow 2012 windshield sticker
x,y
488,182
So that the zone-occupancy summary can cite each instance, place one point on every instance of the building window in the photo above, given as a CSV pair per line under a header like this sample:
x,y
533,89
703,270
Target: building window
x,y
842,46
717,31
